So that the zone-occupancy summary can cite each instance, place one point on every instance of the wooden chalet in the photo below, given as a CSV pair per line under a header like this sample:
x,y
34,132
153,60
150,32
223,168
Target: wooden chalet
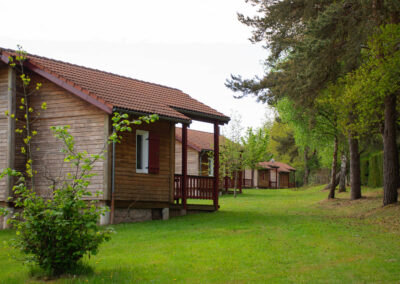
x,y
273,174
137,180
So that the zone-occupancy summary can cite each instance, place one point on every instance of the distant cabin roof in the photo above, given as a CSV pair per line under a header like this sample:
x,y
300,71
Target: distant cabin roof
x,y
110,91
282,167
198,140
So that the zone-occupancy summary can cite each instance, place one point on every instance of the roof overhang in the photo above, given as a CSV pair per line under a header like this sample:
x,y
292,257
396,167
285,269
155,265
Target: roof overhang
x,y
201,116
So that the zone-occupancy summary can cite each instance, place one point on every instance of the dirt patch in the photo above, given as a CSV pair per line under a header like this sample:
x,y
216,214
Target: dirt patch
x,y
368,208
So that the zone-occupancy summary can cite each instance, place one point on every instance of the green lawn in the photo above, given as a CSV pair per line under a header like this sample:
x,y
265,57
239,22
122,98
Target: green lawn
x,y
274,236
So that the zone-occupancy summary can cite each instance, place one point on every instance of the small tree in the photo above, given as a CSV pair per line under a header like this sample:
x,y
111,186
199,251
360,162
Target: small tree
x,y
231,152
56,233
255,145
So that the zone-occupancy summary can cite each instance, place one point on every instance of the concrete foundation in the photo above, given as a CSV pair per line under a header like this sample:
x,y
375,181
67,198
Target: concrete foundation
x,y
130,215
165,213
105,219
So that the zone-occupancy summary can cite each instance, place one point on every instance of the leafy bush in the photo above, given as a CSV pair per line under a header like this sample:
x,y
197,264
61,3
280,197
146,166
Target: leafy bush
x,y
56,233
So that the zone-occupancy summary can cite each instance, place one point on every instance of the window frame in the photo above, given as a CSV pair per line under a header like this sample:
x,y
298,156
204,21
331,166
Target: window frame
x,y
210,166
145,151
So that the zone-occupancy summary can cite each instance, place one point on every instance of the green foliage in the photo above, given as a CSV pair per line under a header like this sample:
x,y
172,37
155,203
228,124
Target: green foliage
x,y
372,169
375,170
255,145
56,233
364,167
376,78
231,150
282,145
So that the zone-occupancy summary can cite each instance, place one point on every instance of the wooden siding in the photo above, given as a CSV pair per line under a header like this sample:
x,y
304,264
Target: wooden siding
x,y
138,187
192,163
263,178
3,127
87,125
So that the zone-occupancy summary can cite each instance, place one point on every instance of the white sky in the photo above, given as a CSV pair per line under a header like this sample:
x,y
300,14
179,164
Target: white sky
x,y
186,44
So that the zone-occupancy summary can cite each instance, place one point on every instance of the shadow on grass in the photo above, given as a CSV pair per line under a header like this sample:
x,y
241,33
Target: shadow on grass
x,y
79,270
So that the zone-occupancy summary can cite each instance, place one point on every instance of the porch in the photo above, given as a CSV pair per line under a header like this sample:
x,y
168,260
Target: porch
x,y
189,187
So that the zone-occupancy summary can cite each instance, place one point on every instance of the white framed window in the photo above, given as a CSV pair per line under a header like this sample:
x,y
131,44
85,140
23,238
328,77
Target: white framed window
x,y
210,167
142,151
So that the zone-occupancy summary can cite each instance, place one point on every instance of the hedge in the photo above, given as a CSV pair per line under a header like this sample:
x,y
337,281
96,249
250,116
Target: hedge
x,y
364,170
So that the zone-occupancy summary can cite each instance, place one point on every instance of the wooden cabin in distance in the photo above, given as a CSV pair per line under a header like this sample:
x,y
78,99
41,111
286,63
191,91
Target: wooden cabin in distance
x,y
273,174
137,179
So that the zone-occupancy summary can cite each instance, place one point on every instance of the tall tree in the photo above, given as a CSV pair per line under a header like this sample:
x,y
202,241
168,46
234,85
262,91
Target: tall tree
x,y
378,79
312,131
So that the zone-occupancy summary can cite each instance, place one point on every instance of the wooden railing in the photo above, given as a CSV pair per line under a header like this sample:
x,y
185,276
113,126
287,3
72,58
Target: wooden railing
x,y
198,187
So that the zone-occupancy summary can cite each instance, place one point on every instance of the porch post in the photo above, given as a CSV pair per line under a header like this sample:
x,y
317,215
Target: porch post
x,y
294,179
184,166
216,164
276,174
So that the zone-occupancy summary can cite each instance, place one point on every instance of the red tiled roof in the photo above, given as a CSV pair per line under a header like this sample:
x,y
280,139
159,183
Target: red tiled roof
x,y
282,167
115,91
198,140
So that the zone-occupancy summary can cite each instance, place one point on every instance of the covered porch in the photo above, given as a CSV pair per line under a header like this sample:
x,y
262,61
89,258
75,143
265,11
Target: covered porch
x,y
188,188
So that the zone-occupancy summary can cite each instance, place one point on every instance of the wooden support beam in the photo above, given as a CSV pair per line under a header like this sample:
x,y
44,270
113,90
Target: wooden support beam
x,y
276,184
11,98
216,164
184,166
294,179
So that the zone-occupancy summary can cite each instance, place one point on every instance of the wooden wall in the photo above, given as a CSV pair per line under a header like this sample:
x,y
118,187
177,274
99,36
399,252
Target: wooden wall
x,y
87,123
192,163
283,180
3,127
138,187
263,178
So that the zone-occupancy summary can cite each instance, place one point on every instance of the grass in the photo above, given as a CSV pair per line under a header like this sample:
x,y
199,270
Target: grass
x,y
274,236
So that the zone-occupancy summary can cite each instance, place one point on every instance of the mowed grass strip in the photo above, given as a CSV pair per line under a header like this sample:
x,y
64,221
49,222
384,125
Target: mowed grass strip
x,y
274,236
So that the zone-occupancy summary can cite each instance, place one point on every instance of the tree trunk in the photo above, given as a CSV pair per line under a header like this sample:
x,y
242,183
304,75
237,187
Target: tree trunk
x,y
252,178
306,169
355,170
234,187
390,154
337,180
343,169
334,161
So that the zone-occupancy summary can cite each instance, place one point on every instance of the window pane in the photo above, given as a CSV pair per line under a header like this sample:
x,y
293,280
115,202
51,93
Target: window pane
x,y
139,151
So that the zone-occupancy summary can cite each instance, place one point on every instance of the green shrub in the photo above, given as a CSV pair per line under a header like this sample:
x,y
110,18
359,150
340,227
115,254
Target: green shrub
x,y
56,233
364,170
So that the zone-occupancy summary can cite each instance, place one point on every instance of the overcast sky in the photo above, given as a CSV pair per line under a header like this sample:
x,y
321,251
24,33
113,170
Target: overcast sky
x,y
190,45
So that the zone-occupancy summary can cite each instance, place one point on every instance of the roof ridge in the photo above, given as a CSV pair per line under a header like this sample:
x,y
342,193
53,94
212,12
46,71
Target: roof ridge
x,y
93,69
